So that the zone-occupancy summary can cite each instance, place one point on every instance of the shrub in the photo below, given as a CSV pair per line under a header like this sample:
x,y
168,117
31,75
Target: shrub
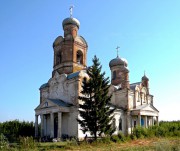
x,y
139,132
150,132
160,132
72,142
133,137
13,129
121,137
105,140
3,142
27,142
177,133
115,138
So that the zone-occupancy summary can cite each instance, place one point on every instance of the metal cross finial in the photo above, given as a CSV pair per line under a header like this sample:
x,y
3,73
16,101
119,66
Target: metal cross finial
x,y
71,10
117,51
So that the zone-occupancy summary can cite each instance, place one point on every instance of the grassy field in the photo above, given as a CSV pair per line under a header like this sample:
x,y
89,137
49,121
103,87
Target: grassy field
x,y
153,144
165,137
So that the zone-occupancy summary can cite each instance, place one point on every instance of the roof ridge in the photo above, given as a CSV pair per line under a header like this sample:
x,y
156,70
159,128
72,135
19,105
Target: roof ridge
x,y
135,83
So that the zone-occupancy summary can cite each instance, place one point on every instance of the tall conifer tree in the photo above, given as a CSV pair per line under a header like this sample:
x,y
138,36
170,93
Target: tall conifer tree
x,y
95,112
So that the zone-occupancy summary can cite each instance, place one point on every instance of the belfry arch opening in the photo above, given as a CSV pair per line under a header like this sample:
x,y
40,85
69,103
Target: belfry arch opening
x,y
79,57
114,75
58,58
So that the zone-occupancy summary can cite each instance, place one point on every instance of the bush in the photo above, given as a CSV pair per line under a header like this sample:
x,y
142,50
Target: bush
x,y
177,133
133,137
105,140
121,136
160,132
13,129
3,142
140,132
27,142
72,142
115,138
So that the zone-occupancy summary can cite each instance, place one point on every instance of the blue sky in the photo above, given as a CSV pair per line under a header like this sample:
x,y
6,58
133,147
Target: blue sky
x,y
148,32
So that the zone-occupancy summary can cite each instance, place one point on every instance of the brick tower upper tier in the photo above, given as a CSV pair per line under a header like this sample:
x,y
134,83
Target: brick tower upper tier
x,y
119,72
69,51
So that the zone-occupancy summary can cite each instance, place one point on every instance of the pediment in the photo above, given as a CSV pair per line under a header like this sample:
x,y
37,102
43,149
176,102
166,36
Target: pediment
x,y
46,104
49,103
147,107
150,108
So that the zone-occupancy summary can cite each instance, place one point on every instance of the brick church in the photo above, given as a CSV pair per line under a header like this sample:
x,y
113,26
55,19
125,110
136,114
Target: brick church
x,y
58,106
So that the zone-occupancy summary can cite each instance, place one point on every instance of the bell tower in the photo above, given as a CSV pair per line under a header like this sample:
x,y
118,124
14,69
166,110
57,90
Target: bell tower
x,y
69,51
145,82
119,72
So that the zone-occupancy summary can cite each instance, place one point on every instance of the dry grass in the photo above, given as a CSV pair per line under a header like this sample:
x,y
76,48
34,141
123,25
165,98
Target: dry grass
x,y
153,144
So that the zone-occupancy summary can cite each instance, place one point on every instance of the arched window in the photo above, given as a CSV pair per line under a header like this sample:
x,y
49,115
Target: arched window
x,y
46,104
137,96
79,57
114,75
144,98
58,58
120,124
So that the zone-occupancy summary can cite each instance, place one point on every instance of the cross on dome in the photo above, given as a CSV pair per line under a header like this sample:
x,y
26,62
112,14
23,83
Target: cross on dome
x,y
117,51
71,10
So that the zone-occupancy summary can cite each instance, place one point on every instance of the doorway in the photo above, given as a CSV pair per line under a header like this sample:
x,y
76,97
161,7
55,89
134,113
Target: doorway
x,y
55,127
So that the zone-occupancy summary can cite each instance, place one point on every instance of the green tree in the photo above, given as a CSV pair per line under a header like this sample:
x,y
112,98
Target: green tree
x,y
95,110
13,129
3,142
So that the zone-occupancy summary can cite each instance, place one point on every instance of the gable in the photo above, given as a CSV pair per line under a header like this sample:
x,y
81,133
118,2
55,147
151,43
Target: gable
x,y
46,104
150,108
49,103
146,107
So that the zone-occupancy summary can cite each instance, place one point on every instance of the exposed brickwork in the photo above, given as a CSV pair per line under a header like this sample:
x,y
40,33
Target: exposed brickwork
x,y
69,52
120,76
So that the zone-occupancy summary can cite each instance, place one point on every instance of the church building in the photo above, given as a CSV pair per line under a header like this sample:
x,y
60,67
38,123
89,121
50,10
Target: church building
x,y
58,106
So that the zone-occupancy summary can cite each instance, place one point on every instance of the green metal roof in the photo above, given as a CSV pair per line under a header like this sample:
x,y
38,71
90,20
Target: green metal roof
x,y
60,103
44,85
73,75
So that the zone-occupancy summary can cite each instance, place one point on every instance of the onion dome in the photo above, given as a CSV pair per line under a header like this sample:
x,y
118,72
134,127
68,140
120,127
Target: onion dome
x,y
71,21
145,78
118,61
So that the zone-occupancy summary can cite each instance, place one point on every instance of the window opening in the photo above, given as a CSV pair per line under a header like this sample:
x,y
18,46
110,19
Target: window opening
x,y
79,57
120,124
114,75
